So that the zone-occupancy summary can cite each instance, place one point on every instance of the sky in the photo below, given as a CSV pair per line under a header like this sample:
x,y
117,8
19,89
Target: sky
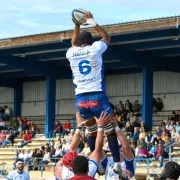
x,y
26,17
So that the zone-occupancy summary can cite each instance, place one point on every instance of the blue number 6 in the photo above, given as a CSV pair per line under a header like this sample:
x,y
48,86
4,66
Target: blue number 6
x,y
84,67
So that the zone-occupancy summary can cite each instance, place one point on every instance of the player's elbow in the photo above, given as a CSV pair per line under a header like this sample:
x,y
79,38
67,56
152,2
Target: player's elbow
x,y
107,39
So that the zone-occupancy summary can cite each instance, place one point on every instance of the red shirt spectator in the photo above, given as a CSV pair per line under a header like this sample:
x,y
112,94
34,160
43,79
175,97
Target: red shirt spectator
x,y
27,137
2,136
67,126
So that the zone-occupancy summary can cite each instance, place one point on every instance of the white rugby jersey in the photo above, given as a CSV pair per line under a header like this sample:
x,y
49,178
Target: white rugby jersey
x,y
87,67
67,173
14,175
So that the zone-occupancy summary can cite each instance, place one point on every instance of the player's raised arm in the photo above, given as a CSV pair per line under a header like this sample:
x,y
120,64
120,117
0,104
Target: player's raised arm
x,y
76,137
90,21
76,31
122,138
103,120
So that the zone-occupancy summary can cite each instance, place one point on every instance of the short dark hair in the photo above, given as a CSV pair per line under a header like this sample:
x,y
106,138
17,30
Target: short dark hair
x,y
80,165
172,170
85,38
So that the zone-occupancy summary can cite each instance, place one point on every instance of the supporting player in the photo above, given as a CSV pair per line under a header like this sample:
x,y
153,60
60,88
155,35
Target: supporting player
x,y
94,159
86,63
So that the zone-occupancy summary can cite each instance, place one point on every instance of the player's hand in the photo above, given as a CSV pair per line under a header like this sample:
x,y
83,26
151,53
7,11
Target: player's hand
x,y
90,19
113,121
103,119
80,121
75,22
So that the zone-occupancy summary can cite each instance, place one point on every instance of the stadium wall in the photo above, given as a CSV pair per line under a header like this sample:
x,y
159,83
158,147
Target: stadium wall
x,y
119,87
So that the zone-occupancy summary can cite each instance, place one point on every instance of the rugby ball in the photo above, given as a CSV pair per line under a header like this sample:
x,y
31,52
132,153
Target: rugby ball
x,y
78,16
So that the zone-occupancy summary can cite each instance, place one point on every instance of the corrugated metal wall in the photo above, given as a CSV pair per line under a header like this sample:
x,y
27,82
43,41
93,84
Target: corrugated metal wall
x,y
6,95
117,85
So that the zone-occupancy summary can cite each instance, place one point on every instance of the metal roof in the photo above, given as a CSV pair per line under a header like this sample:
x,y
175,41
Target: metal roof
x,y
134,45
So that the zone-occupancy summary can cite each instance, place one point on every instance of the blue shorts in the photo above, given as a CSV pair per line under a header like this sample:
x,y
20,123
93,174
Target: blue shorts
x,y
92,104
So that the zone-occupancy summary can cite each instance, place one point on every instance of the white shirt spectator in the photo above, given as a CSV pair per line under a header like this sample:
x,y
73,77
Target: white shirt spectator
x,y
21,155
46,157
14,175
7,112
27,155
58,152
2,123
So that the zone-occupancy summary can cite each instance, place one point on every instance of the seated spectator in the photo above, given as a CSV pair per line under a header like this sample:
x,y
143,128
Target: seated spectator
x,y
142,134
178,137
9,140
37,155
164,136
67,128
153,150
143,152
58,143
2,137
58,129
7,112
106,145
132,118
26,124
20,130
157,139
143,126
166,131
158,131
129,128
142,143
135,136
65,146
161,154
58,153
128,106
52,151
46,159
120,108
21,154
2,124
47,147
1,113
14,124
27,159
86,151
173,135
177,125
26,138
159,104
33,129
137,107
149,140
174,116
171,126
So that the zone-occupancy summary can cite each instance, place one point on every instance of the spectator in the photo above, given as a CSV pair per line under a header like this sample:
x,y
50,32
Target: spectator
x,y
143,152
153,150
2,124
164,136
157,139
26,138
58,153
135,136
171,126
20,130
46,160
81,146
173,135
47,147
52,151
26,124
174,117
177,125
33,129
37,154
58,128
14,124
1,112
129,129
178,137
21,154
86,151
27,158
161,154
142,143
121,108
143,127
132,118
9,140
158,131
142,134
149,140
137,106
159,104
106,145
128,106
7,112
67,127
166,131
65,146
58,143
2,137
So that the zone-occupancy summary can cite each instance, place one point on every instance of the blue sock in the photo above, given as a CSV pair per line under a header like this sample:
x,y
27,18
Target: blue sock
x,y
114,147
91,141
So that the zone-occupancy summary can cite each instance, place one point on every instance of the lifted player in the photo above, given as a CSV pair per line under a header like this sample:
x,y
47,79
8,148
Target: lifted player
x,y
86,63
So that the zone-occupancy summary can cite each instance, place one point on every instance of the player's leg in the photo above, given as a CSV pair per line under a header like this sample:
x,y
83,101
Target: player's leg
x,y
104,105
